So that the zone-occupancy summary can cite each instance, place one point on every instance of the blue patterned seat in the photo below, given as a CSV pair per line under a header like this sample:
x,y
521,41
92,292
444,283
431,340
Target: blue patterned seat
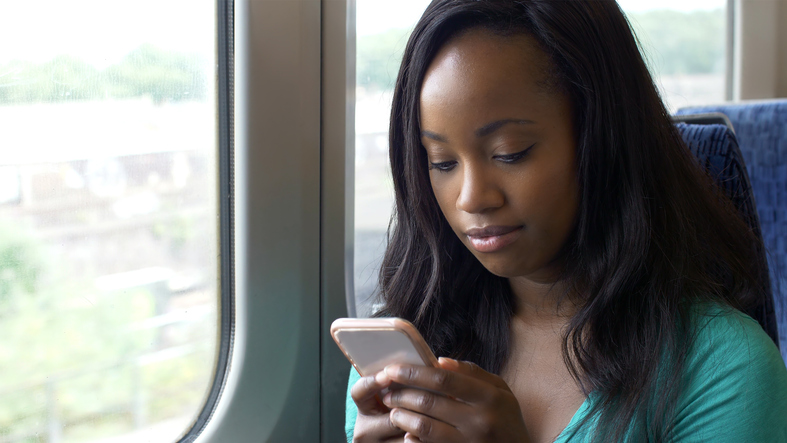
x,y
716,147
761,130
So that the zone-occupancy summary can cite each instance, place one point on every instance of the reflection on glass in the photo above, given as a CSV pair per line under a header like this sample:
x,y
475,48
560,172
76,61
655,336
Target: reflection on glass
x,y
683,41
108,252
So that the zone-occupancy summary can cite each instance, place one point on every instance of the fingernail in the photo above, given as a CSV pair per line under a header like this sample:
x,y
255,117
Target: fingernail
x,y
390,371
381,378
448,362
387,399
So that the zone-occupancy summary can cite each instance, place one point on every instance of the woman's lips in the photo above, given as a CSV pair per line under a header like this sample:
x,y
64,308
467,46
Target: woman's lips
x,y
492,238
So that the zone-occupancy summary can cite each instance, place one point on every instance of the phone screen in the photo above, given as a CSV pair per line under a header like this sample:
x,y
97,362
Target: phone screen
x,y
372,351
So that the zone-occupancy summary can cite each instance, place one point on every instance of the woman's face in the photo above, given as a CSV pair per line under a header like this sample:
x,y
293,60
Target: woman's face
x,y
501,151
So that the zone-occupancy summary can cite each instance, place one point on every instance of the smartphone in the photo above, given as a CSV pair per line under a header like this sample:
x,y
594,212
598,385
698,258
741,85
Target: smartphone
x,y
371,344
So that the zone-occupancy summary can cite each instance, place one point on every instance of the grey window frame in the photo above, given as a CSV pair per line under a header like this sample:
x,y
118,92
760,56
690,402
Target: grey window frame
x,y
290,218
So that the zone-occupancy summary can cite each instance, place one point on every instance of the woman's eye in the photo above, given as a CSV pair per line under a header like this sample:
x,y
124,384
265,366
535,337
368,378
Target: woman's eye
x,y
515,157
442,166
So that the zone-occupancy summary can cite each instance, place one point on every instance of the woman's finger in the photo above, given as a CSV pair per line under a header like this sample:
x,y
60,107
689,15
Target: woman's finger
x,y
460,386
365,394
472,370
376,428
427,403
422,428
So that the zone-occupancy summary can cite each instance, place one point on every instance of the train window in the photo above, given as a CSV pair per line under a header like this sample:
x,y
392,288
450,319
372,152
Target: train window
x,y
108,229
686,46
684,42
382,30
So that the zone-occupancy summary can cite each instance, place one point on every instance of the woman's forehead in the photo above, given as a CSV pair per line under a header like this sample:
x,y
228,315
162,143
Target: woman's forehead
x,y
480,55
482,76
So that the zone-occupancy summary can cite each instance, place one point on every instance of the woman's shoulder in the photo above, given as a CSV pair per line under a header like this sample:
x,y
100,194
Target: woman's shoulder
x,y
735,381
727,336
731,347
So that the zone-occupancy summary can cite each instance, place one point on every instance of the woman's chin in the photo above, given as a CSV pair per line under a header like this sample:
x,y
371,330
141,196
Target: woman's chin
x,y
507,269
504,270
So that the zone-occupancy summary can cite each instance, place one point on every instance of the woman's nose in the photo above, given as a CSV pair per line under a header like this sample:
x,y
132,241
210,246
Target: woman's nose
x,y
479,192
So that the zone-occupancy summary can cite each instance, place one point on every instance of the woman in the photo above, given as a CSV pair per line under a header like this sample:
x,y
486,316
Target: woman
x,y
556,241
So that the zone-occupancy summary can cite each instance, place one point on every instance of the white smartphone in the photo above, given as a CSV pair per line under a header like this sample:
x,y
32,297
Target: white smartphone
x,y
371,344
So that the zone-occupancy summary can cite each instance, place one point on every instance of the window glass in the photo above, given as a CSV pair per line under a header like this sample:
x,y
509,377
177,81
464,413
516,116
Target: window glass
x,y
683,40
108,231
382,30
684,43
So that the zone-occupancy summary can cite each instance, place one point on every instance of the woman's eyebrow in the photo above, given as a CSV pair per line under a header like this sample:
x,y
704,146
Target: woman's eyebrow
x,y
433,136
480,132
495,125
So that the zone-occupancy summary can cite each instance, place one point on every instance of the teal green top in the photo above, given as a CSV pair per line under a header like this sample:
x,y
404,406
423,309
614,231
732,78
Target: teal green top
x,y
736,387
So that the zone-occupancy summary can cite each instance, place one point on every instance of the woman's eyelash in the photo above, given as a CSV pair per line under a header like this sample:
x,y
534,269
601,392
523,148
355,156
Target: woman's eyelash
x,y
513,158
442,166
505,158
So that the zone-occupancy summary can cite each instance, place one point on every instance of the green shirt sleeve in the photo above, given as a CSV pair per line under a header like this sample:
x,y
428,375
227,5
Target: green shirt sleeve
x,y
736,383
351,411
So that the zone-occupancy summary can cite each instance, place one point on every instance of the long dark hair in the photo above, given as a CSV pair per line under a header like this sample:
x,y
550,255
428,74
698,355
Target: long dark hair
x,y
653,236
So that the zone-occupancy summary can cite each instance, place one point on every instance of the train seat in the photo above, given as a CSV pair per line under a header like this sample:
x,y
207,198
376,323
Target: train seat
x,y
761,130
715,145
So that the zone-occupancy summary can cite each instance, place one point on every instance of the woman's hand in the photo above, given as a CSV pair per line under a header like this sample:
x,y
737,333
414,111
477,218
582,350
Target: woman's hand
x,y
466,404
374,418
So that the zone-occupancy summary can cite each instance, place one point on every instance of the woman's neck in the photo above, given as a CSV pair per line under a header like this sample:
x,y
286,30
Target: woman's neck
x,y
541,302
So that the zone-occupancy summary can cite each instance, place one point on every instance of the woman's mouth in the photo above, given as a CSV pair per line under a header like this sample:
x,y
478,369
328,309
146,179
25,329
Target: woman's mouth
x,y
492,238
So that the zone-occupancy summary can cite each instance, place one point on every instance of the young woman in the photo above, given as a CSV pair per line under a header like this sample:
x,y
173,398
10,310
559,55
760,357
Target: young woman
x,y
555,241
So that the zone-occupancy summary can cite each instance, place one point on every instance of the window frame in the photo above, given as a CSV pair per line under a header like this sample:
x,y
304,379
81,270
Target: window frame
x,y
291,167
226,295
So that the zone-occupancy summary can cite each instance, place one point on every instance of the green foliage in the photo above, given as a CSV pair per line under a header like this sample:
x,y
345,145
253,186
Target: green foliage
x,y
162,75
20,264
68,345
674,43
177,232
178,382
64,331
681,43
63,78
146,71
378,58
